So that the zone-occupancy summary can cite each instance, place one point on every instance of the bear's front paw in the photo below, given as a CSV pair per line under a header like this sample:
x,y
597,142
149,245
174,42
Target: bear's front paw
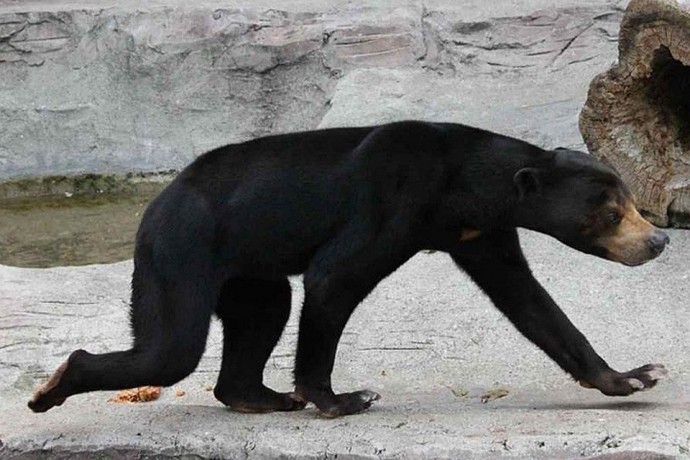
x,y
626,383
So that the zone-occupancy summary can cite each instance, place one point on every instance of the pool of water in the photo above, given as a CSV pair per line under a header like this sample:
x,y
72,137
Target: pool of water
x,y
56,231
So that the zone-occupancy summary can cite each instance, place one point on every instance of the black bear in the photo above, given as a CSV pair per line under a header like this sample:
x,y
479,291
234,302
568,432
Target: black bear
x,y
345,208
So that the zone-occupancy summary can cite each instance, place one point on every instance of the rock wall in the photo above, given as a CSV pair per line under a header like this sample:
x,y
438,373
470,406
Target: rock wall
x,y
117,90
111,91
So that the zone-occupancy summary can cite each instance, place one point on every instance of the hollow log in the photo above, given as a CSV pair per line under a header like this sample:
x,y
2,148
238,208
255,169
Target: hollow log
x,y
637,114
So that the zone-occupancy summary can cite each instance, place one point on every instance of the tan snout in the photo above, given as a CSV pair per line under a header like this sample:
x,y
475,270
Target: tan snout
x,y
635,241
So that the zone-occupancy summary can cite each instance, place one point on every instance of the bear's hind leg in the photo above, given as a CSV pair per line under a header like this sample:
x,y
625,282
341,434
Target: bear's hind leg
x,y
254,313
170,322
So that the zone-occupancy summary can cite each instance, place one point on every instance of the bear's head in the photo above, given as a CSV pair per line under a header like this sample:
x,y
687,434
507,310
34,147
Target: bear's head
x,y
585,204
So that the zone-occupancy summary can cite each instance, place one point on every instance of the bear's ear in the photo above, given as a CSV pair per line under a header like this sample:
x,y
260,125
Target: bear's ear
x,y
527,182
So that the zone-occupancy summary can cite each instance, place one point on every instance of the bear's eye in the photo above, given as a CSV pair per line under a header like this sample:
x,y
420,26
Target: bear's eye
x,y
614,217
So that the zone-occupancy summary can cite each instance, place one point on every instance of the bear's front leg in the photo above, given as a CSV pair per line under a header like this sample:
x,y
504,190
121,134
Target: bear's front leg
x,y
334,285
496,263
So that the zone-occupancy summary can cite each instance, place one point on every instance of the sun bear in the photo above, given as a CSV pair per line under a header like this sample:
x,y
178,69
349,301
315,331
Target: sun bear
x,y
345,207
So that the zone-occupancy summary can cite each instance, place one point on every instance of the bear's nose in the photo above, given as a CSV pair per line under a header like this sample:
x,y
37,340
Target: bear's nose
x,y
658,241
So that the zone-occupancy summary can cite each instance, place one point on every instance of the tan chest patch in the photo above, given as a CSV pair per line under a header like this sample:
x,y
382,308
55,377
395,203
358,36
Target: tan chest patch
x,y
469,234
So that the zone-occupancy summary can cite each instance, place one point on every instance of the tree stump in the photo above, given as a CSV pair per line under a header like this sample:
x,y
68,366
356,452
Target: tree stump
x,y
637,115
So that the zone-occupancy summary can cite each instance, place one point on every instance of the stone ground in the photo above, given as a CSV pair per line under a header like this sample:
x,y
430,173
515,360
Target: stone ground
x,y
426,339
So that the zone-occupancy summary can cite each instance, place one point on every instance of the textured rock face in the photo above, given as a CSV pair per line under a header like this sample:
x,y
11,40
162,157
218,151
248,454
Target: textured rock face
x,y
113,91
637,115
144,88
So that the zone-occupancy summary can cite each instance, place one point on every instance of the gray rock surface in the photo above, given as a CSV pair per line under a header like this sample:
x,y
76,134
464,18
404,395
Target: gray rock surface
x,y
114,87
526,77
426,339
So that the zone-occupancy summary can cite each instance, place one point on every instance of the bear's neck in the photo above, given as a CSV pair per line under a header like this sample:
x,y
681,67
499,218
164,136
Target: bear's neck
x,y
487,180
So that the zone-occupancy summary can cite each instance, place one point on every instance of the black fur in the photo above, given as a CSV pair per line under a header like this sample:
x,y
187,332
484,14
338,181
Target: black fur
x,y
344,207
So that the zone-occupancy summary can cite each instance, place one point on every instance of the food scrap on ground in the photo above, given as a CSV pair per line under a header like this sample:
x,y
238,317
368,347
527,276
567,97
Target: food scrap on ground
x,y
137,395
494,394
458,392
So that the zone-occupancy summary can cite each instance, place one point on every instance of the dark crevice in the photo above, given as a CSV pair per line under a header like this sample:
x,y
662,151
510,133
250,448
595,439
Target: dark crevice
x,y
668,88
677,218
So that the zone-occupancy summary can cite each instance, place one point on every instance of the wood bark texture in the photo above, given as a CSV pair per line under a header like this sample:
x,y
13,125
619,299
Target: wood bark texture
x,y
637,114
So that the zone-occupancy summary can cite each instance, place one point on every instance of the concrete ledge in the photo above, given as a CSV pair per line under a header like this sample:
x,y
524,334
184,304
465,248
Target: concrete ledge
x,y
86,184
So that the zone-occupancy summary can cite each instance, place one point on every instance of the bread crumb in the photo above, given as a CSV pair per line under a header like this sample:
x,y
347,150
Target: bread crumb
x,y
180,392
494,394
459,392
137,395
